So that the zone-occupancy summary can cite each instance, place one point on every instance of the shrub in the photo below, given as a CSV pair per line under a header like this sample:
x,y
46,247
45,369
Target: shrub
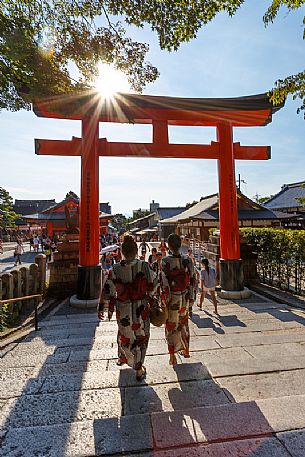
x,y
281,256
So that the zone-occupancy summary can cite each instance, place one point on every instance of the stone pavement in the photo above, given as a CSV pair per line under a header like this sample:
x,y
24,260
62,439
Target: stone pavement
x,y
7,260
242,392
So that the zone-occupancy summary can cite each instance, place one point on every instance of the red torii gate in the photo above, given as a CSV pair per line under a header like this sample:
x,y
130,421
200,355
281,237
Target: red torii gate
x,y
91,108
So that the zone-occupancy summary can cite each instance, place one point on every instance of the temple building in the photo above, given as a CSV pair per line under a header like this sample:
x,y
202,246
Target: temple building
x,y
52,220
291,200
197,220
150,224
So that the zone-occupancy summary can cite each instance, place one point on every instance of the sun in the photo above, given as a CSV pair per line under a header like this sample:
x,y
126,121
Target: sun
x,y
111,81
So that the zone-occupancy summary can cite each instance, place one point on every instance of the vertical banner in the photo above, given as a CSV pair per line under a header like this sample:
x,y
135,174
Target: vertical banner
x,y
228,216
89,198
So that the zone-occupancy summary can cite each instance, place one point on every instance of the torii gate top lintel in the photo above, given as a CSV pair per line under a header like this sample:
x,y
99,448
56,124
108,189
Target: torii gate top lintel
x,y
253,110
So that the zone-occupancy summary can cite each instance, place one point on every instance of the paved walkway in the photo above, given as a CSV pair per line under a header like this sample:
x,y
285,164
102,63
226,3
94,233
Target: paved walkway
x,y
242,392
7,260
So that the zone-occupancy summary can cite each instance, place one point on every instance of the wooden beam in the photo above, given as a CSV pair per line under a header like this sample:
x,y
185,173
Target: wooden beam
x,y
251,152
163,150
178,151
59,147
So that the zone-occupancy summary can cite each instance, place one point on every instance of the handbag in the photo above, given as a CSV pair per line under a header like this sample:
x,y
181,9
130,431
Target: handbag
x,y
158,313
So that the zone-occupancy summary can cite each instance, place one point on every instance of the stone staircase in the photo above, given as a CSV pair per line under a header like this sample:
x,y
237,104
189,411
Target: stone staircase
x,y
242,392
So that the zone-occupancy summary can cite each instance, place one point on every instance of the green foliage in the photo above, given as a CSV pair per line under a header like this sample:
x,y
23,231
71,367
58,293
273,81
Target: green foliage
x,y
301,200
281,256
6,205
138,214
40,38
190,204
259,199
5,316
119,222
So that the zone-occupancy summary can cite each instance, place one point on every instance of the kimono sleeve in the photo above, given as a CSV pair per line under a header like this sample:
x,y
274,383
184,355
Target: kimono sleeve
x,y
108,293
152,279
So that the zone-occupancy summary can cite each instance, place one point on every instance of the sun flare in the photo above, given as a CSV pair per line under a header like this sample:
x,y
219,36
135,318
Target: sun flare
x,y
111,81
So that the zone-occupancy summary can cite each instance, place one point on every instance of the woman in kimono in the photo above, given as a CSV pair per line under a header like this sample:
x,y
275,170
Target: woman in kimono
x,y
128,288
177,286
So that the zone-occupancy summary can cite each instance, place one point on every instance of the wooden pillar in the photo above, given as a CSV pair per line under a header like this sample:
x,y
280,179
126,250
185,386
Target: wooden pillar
x,y
89,269
231,276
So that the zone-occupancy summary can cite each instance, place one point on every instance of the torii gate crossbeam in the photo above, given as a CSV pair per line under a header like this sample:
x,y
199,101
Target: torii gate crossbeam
x,y
161,112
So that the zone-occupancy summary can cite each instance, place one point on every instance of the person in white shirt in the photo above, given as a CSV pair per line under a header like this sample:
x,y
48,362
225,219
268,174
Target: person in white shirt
x,y
208,283
18,252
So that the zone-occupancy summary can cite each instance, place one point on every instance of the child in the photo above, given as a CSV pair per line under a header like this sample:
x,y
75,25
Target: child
x,y
208,283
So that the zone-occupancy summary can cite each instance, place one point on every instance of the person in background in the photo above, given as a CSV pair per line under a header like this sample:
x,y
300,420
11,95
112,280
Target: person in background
x,y
47,251
153,256
208,283
36,243
31,240
1,246
163,248
128,288
18,252
53,245
178,290
143,247
156,265
191,255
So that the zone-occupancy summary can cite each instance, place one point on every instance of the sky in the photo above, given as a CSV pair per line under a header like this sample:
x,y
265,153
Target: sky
x,y
230,57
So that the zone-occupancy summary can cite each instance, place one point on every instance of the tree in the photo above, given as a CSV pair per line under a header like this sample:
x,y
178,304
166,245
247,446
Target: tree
x,y
259,199
39,38
119,222
190,204
6,205
138,214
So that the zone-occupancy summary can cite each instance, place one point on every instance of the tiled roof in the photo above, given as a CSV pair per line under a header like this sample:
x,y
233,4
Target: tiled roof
x,y
206,203
63,202
245,214
287,197
53,216
165,213
32,206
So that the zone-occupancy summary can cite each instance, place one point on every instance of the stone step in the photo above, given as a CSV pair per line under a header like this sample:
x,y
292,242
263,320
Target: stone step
x,y
251,423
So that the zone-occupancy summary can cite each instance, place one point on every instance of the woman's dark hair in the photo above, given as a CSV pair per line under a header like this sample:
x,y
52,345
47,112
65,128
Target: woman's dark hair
x,y
205,262
154,250
174,241
129,246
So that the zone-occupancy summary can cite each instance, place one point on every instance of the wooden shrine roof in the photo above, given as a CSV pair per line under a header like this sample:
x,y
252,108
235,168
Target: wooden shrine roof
x,y
144,109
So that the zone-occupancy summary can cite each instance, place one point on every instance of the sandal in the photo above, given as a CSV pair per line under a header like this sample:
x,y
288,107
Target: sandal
x,y
173,361
120,362
141,376
185,354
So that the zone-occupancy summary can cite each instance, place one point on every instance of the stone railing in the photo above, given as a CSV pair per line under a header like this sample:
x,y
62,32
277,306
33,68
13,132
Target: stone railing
x,y
25,281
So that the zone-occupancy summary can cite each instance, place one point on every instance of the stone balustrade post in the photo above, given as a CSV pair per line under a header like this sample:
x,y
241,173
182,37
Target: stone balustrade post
x,y
41,262
34,280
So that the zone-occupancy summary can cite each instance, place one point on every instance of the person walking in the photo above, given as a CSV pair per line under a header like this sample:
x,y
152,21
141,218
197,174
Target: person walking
x,y
18,252
143,247
36,243
208,283
153,256
128,288
163,248
178,289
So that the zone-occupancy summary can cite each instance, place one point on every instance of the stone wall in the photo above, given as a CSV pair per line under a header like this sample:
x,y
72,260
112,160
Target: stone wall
x,y
29,280
63,268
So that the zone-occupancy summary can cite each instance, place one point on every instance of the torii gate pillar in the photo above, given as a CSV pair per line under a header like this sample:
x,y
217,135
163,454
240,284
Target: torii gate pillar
x,y
89,270
230,264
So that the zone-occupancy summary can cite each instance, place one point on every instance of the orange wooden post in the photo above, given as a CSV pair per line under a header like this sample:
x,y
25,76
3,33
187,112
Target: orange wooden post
x,y
89,271
231,276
